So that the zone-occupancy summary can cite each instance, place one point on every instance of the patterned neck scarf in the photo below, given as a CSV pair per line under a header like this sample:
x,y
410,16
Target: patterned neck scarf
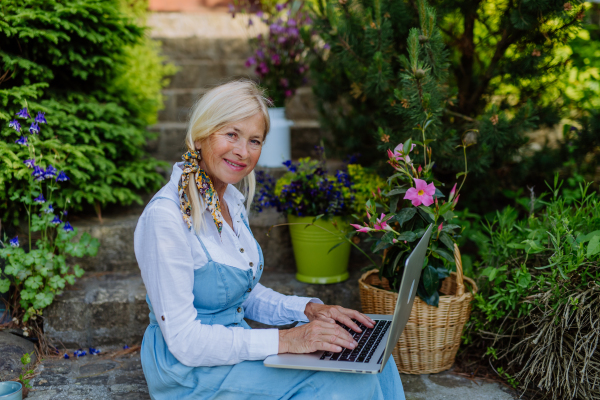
x,y
205,188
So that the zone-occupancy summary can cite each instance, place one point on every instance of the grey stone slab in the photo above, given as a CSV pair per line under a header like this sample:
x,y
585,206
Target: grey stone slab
x,y
203,73
169,144
100,309
301,106
209,49
12,348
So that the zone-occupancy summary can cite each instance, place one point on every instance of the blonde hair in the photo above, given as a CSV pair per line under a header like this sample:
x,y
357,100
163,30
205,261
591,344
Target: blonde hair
x,y
221,106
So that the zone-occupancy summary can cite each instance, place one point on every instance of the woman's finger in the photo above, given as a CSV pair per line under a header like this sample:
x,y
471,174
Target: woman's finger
x,y
360,317
332,331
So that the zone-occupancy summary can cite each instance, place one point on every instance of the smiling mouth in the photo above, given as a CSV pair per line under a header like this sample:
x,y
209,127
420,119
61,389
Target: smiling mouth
x,y
234,164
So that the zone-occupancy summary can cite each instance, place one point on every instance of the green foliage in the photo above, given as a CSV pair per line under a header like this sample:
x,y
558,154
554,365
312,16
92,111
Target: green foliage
x,y
91,68
26,360
495,74
556,245
365,182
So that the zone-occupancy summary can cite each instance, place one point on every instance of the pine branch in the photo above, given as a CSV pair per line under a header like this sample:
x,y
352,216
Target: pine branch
x,y
347,47
447,111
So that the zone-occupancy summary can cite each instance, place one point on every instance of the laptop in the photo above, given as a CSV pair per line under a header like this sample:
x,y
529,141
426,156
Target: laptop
x,y
375,344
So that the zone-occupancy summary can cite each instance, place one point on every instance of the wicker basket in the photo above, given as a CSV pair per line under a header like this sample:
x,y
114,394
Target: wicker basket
x,y
431,337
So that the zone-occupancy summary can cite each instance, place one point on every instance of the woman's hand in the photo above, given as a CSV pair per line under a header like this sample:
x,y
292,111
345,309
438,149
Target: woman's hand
x,y
322,312
316,335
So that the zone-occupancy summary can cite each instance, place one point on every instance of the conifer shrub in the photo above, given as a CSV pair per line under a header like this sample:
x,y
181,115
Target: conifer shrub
x,y
488,67
90,67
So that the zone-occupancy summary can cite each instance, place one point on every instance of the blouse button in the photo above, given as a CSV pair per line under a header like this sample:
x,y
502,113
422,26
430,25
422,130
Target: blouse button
x,y
241,250
249,289
251,264
239,309
162,317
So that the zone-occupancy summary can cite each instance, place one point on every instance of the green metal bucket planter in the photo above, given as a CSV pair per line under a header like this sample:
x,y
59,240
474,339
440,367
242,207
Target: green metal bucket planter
x,y
311,246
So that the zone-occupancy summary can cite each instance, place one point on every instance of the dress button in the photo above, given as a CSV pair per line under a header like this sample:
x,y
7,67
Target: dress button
x,y
261,267
241,250
251,264
239,309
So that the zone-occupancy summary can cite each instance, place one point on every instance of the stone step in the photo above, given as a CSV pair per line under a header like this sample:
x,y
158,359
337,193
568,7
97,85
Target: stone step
x,y
110,308
116,253
169,143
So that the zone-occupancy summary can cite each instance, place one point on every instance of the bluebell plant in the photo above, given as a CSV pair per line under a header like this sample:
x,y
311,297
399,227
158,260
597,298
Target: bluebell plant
x,y
36,272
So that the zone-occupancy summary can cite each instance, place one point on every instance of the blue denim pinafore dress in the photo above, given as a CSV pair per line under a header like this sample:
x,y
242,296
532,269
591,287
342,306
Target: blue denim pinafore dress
x,y
219,291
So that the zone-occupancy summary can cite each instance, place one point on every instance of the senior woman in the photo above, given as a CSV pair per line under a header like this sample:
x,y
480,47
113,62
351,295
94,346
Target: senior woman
x,y
201,267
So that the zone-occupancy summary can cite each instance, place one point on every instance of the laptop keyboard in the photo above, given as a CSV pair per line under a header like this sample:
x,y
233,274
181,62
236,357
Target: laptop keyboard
x,y
368,340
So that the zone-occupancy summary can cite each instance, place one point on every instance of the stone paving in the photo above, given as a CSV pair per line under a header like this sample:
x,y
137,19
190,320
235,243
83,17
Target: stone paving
x,y
120,376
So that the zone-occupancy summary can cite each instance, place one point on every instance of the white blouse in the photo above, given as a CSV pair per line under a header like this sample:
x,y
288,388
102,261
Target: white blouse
x,y
168,252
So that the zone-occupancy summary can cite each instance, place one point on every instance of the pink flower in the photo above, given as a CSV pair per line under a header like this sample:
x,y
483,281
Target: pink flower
x,y
440,227
288,93
422,193
399,153
361,228
452,192
381,224
419,169
394,241
456,200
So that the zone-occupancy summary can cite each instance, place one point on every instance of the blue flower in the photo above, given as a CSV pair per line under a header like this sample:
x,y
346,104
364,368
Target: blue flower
x,y
62,177
22,140
65,212
30,163
125,347
66,356
79,353
68,227
50,172
49,209
15,124
94,351
14,242
40,199
34,128
56,220
23,113
38,173
41,118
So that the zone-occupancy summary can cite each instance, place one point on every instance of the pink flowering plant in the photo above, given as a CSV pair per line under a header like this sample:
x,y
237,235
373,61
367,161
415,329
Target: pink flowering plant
x,y
35,267
399,214
279,54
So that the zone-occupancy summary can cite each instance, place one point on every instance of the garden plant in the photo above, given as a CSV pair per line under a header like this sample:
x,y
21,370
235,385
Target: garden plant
x,y
36,271
497,67
537,313
91,67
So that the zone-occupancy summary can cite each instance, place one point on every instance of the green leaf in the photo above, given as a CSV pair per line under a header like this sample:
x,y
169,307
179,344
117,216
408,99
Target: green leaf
x,y
447,240
406,214
408,236
396,191
394,204
593,247
460,174
444,254
4,285
430,279
331,249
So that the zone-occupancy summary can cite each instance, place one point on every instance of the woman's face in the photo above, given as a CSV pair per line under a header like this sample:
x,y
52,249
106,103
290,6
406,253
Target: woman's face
x,y
232,152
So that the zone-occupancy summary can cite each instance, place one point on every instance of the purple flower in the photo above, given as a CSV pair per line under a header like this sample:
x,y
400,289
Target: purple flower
x,y
302,69
259,14
93,351
50,172
279,7
250,23
326,46
62,177
260,54
68,228
262,69
38,173
66,356
65,212
49,209
34,128
232,10
250,61
276,29
125,347
41,118
23,113
288,93
56,220
22,140
284,82
293,32
275,58
40,199
30,163
15,124
79,353
14,242
291,22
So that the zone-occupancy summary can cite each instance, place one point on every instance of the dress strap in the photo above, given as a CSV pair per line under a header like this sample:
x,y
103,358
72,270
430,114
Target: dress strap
x,y
202,244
